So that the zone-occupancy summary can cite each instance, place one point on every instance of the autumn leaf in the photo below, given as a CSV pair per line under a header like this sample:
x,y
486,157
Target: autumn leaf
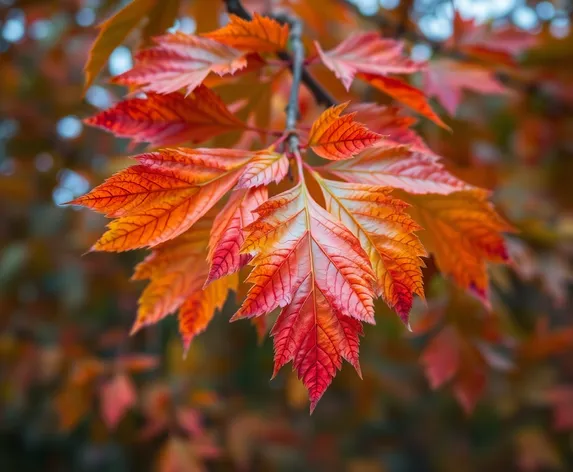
x,y
312,265
261,34
449,356
180,61
470,384
197,311
168,119
406,94
319,250
117,396
386,232
227,234
264,168
446,79
366,53
441,357
338,137
495,44
544,343
463,232
158,176
393,124
112,33
398,167
177,271
163,196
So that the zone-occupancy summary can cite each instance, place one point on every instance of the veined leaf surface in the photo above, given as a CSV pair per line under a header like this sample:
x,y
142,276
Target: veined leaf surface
x,y
311,265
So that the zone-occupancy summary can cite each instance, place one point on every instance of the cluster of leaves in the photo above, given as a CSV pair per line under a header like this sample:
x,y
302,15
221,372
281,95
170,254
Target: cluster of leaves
x,y
79,392
321,251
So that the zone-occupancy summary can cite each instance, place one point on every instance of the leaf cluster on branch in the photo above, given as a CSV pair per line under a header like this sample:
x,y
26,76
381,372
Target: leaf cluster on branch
x,y
328,217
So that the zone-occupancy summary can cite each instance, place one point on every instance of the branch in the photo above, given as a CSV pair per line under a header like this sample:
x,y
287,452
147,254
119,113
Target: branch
x,y
292,110
320,94
236,8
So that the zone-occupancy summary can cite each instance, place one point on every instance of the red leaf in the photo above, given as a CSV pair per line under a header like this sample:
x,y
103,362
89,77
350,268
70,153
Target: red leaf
x,y
227,234
117,396
487,42
181,61
366,53
445,79
441,357
168,119
312,265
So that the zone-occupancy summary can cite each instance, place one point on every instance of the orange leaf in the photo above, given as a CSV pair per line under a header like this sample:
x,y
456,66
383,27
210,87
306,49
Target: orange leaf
x,y
312,265
261,34
198,310
406,94
168,119
227,233
398,167
177,269
163,197
157,177
463,232
366,53
386,233
265,167
336,138
180,61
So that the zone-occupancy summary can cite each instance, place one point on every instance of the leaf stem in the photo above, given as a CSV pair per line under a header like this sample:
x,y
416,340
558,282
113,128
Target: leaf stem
x,y
300,165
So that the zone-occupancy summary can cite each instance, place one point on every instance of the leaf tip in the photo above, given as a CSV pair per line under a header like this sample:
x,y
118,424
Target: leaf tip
x,y
136,327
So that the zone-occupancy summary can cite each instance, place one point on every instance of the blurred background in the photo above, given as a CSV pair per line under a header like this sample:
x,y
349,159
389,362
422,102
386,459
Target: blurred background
x,y
78,394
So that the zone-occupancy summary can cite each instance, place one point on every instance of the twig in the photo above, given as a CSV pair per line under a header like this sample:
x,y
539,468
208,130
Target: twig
x,y
292,110
320,94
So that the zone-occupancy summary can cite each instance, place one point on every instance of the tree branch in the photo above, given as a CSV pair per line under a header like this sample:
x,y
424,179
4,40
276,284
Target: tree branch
x,y
320,94
292,110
